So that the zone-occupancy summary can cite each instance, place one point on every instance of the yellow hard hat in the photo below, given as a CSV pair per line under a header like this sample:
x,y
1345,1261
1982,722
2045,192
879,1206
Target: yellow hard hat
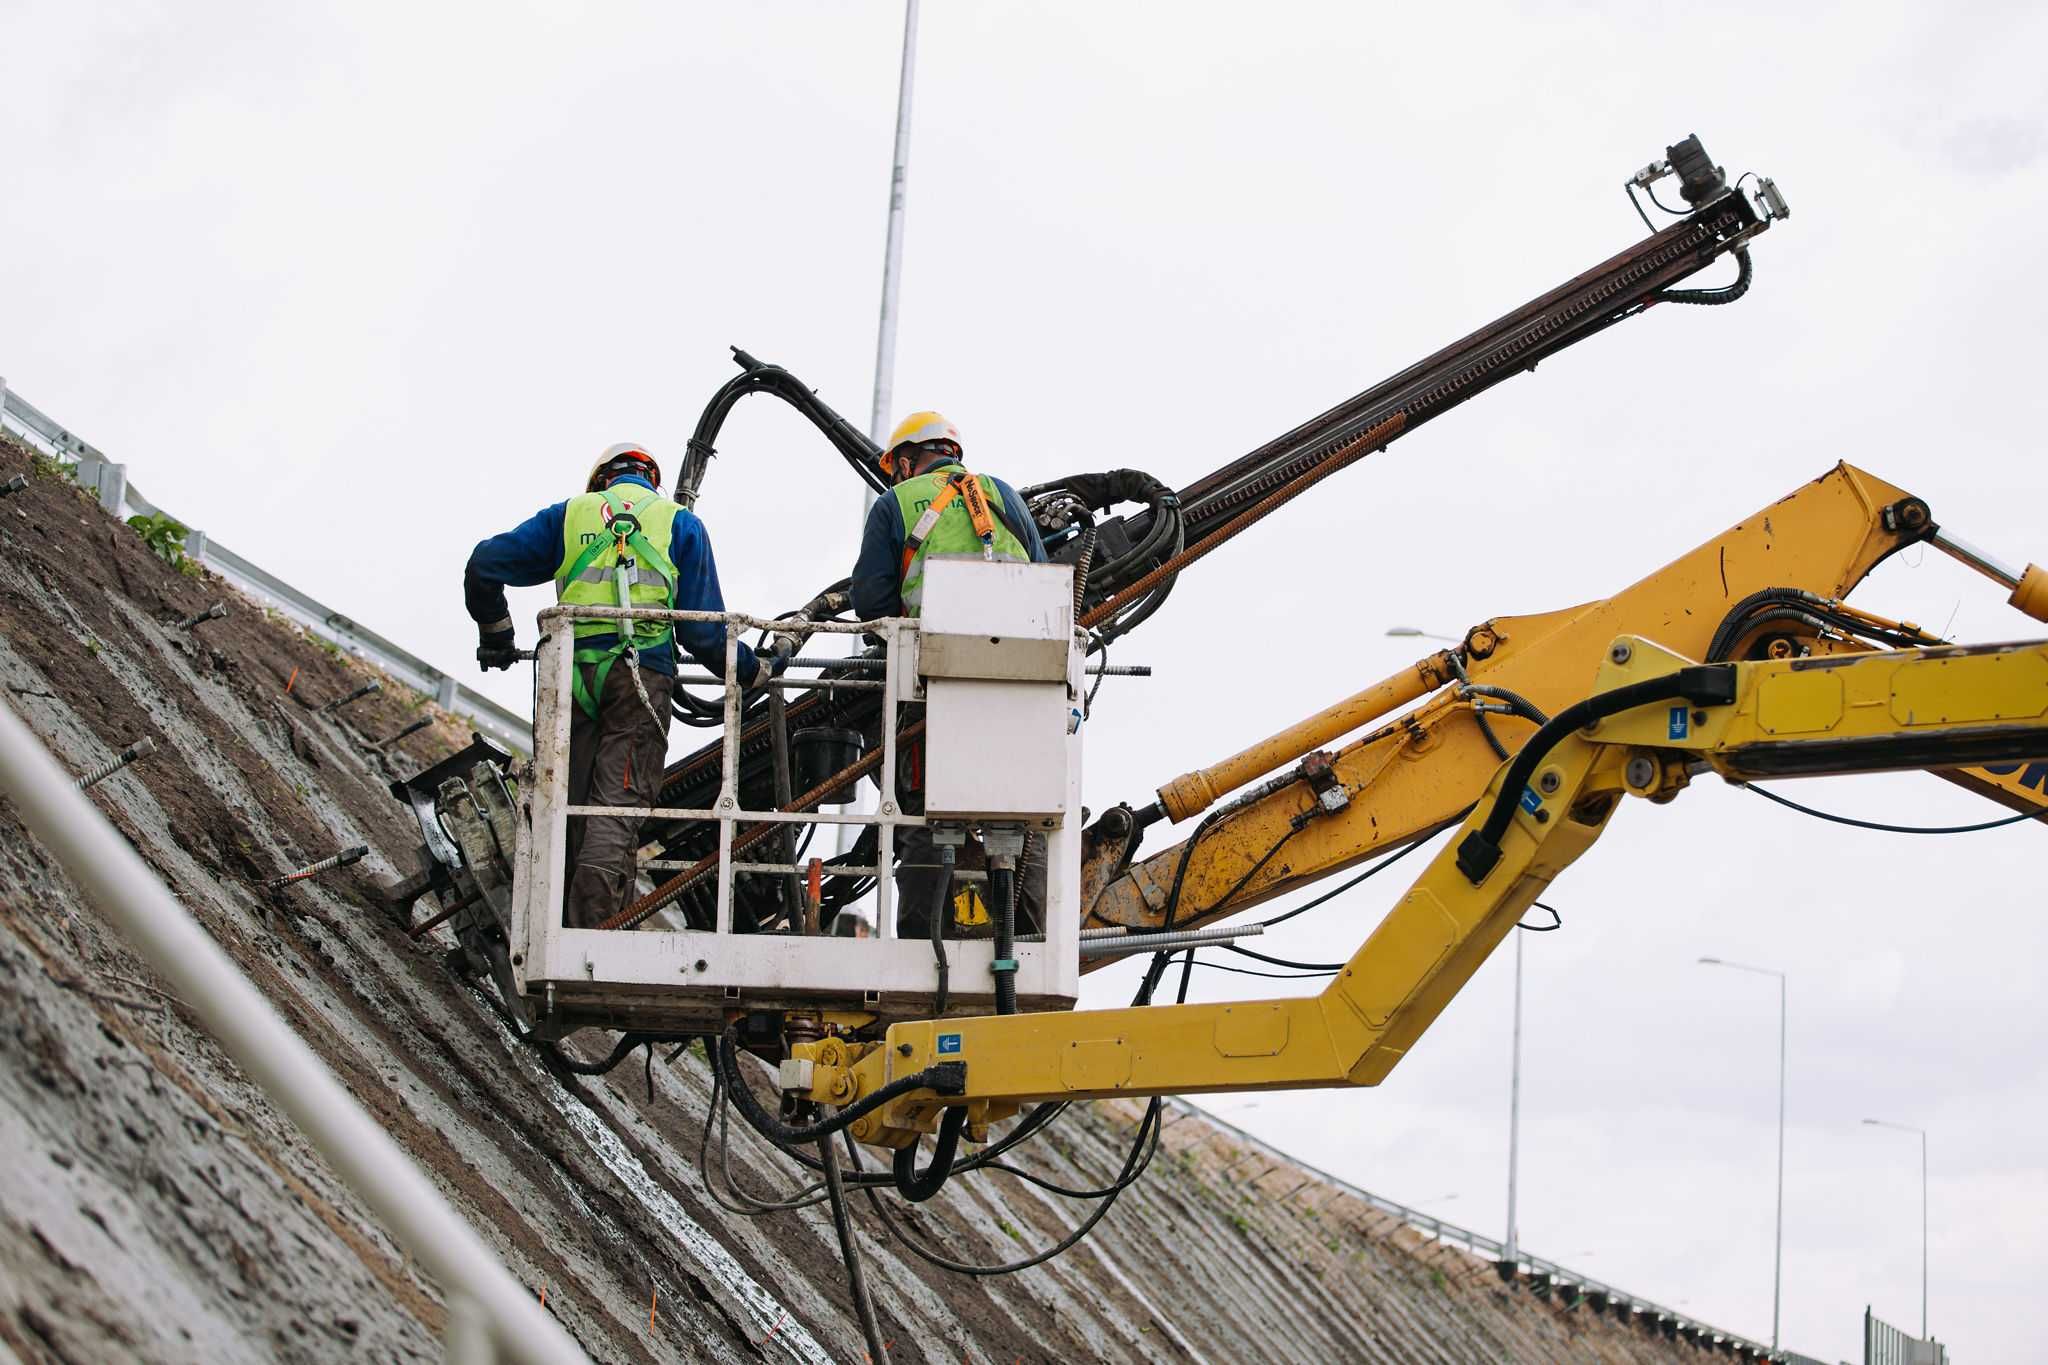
x,y
627,457
917,429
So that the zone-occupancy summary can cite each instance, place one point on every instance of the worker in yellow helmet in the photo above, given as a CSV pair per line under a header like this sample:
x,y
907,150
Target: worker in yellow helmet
x,y
619,536
935,506
931,510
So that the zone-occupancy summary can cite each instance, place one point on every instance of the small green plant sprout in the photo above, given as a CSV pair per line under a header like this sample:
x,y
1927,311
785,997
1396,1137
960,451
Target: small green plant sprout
x,y
165,536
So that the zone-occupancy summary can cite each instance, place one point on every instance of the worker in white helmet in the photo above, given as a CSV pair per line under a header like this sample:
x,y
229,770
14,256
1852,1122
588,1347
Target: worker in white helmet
x,y
620,529
935,506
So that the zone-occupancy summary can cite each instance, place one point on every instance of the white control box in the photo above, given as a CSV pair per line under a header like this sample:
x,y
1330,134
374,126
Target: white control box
x,y
1001,675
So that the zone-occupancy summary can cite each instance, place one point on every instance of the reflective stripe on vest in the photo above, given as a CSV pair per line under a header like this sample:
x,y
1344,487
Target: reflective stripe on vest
x,y
639,574
952,532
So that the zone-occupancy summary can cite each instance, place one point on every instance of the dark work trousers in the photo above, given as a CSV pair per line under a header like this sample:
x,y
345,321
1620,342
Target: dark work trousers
x,y
615,759
919,871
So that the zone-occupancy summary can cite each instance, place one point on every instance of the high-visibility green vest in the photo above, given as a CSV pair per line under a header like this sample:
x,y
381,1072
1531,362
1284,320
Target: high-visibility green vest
x,y
954,533
619,535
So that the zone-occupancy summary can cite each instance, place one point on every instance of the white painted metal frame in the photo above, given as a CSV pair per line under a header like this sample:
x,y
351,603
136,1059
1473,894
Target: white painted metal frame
x,y
491,1316
661,978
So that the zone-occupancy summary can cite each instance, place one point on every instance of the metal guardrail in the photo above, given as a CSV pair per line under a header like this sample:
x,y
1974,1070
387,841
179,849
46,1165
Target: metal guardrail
x,y
1884,1344
1535,1267
110,481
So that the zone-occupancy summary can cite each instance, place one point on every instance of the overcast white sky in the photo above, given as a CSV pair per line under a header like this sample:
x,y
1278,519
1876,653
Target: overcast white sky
x,y
351,287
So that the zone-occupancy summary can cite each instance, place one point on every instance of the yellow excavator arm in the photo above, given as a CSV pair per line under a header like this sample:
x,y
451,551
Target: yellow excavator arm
x,y
1771,586
1652,720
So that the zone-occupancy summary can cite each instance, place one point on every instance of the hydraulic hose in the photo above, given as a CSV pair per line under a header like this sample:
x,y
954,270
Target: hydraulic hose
x,y
939,907
627,1042
849,1251
1801,608
919,1186
1003,883
755,377
1726,294
1698,685
946,1078
1514,701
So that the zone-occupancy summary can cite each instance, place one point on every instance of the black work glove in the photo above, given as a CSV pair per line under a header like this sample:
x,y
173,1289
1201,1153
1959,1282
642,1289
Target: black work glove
x,y
497,648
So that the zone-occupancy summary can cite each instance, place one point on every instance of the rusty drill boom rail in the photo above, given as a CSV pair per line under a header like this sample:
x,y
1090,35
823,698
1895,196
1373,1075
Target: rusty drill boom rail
x,y
1618,288
1722,222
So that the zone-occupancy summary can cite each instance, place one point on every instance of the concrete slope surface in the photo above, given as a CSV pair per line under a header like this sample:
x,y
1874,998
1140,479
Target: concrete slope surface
x,y
155,1206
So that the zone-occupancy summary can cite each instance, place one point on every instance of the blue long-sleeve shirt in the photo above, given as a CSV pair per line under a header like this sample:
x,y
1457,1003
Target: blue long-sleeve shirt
x,y
531,553
877,587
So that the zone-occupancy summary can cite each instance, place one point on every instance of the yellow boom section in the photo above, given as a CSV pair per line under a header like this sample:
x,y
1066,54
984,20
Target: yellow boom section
x,y
1651,716
1413,775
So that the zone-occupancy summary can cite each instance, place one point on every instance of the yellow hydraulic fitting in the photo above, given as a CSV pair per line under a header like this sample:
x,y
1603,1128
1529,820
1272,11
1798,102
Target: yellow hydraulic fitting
x,y
2030,594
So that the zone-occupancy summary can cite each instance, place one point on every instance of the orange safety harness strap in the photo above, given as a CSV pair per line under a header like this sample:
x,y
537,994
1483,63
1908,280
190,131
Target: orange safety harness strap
x,y
957,485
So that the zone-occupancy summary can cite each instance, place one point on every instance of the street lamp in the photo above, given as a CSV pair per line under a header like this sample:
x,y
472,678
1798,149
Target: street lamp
x,y
1778,1252
1909,1128
1416,632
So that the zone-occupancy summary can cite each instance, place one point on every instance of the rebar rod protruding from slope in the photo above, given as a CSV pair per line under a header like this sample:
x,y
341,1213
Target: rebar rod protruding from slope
x,y
196,970
341,859
365,690
422,723
141,748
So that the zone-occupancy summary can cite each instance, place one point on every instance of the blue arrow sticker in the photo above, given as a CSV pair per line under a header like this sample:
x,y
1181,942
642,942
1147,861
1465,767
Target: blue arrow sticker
x,y
949,1044
1681,722
1530,800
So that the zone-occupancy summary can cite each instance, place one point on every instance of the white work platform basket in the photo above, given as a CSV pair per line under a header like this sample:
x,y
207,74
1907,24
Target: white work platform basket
x,y
996,667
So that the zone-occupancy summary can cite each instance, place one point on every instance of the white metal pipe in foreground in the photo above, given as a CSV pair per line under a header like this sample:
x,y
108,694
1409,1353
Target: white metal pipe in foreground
x,y
242,1022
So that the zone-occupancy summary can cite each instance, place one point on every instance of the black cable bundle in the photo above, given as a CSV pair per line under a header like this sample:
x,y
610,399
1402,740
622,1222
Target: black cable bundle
x,y
1069,505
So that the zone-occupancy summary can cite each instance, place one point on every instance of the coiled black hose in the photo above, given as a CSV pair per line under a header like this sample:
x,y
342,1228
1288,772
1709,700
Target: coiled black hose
x,y
919,1186
1801,608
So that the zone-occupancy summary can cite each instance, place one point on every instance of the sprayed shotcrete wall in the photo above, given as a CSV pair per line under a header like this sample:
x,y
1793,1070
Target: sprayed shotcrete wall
x,y
153,1206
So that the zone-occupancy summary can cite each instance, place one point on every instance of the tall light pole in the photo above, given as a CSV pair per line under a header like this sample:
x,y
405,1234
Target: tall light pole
x,y
892,252
1514,1107
1778,1251
885,326
1909,1128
